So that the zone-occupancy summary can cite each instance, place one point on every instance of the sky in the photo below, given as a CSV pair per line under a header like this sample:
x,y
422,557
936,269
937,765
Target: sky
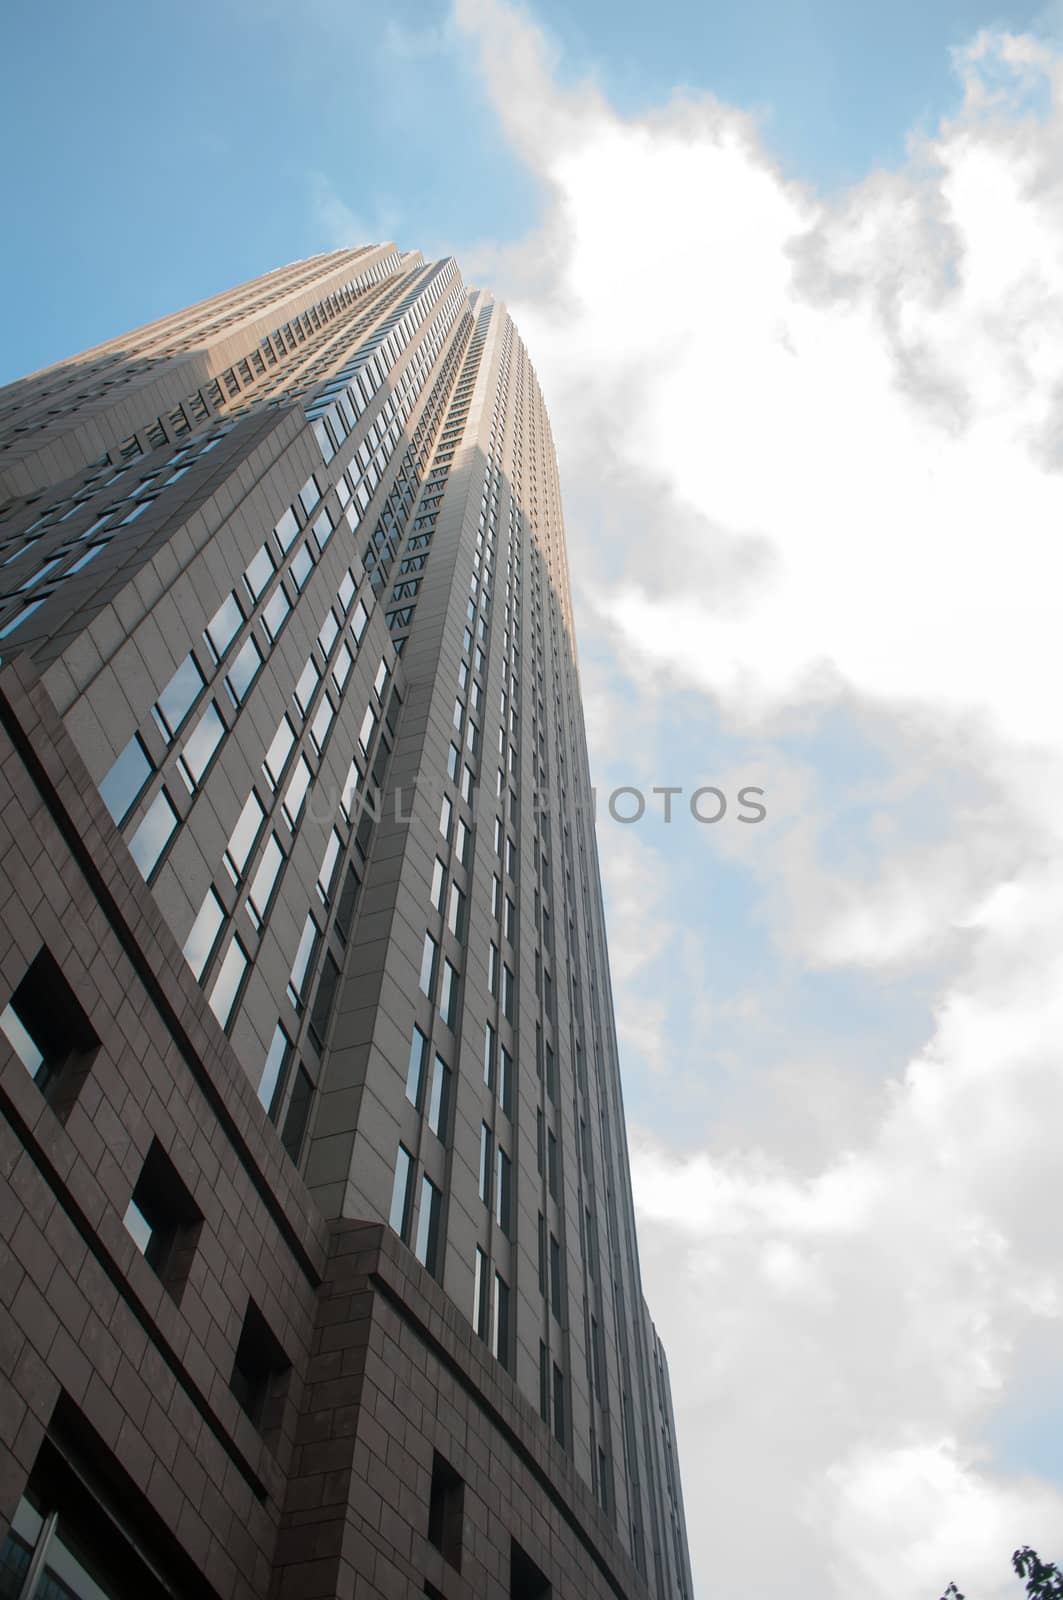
x,y
791,275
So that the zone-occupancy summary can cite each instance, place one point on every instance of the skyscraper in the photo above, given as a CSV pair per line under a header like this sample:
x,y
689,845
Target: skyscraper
x,y
321,1275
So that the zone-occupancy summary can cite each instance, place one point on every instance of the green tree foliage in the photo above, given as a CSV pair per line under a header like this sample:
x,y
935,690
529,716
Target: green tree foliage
x,y
1044,1580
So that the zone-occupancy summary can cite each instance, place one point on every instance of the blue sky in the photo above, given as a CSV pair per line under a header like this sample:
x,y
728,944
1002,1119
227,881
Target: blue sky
x,y
816,549
163,157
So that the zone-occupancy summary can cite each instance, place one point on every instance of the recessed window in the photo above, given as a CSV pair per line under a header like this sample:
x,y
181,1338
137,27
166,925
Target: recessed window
x,y
439,878
448,994
401,1193
304,960
298,1115
241,675
296,792
200,746
479,1294
439,1098
47,1028
260,570
121,787
278,752
275,1069
415,1067
500,1339
503,1190
306,685
327,871
227,984
429,1219
264,881
489,1056
446,1511
156,829
367,730
260,1372
243,837
485,1163
526,1581
321,1010
178,698
286,529
223,626
429,954
163,1220
276,612
204,933
345,905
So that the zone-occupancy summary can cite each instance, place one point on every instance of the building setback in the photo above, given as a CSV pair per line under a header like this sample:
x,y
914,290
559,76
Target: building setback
x,y
319,1274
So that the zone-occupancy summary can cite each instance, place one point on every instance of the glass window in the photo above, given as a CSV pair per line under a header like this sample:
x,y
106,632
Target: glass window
x,y
286,529
21,616
278,752
319,728
415,1068
439,1099
309,494
154,834
227,985
323,529
328,866
277,608
489,1056
200,746
367,730
446,813
327,634
306,684
503,1190
479,1294
359,621
439,878
401,1191
426,1246
260,570
456,912
242,840
127,777
203,935
178,698
223,626
304,959
342,668
275,1069
448,995
241,674
461,844
302,565
506,1086
265,880
485,1163
296,792
500,1325
428,965
324,999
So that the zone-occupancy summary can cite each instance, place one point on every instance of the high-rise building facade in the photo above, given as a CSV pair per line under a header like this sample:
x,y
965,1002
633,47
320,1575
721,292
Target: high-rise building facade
x,y
320,1275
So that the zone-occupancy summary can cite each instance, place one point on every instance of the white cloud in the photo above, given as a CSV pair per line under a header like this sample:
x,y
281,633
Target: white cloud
x,y
812,467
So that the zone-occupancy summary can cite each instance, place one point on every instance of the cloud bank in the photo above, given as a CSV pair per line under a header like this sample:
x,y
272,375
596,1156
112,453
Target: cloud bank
x,y
812,454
